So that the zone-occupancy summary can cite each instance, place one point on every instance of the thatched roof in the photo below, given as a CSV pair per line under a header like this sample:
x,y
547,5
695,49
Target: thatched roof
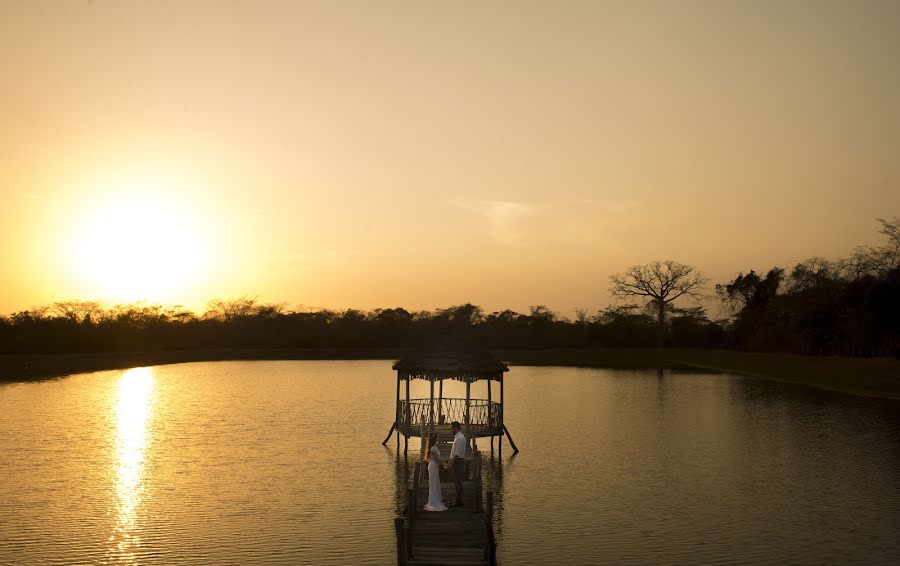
x,y
451,358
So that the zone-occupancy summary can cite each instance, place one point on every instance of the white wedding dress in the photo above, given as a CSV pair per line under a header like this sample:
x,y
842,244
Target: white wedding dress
x,y
435,500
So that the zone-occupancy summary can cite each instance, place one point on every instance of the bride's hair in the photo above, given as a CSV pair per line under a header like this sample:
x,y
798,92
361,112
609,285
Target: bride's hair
x,y
432,440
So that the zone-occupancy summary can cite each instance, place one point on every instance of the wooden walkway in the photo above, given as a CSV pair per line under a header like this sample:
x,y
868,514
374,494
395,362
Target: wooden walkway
x,y
457,536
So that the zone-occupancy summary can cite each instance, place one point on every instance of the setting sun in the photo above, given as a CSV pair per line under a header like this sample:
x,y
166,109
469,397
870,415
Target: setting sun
x,y
137,247
279,282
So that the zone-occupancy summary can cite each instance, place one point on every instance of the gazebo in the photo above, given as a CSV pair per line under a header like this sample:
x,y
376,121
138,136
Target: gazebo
x,y
450,358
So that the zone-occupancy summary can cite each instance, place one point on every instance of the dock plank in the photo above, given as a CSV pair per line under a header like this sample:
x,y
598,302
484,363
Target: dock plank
x,y
455,537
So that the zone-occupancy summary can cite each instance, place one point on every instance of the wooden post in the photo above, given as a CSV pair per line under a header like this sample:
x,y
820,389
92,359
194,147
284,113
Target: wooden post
x,y
408,416
511,443
400,529
468,402
490,545
431,408
441,403
408,419
397,415
490,408
410,508
490,412
415,482
476,471
502,423
390,432
410,520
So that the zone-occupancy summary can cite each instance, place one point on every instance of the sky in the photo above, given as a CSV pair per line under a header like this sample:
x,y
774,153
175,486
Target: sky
x,y
425,154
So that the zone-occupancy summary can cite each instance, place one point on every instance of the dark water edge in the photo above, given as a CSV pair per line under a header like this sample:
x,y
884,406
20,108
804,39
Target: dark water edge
x,y
34,367
857,376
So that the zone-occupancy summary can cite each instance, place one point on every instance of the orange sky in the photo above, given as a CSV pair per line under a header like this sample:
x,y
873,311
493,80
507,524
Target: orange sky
x,y
423,154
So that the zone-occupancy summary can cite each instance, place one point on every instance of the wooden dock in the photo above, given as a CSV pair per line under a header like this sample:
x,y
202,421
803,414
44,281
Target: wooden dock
x,y
455,537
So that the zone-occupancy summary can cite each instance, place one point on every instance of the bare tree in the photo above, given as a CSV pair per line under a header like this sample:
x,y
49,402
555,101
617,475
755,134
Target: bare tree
x,y
582,316
660,283
77,311
230,309
877,261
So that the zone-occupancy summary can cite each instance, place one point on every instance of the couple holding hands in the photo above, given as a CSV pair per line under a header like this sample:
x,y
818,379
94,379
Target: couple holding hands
x,y
457,463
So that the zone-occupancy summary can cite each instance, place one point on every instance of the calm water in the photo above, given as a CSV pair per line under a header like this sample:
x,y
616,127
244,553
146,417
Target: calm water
x,y
281,462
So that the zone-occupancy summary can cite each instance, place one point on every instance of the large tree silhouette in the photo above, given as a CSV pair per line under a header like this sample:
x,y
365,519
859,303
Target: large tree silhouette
x,y
659,282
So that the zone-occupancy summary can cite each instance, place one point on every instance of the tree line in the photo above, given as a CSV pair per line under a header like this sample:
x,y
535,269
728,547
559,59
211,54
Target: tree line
x,y
847,307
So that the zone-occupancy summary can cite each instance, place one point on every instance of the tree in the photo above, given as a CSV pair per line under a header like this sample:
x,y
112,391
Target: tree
x,y
582,316
750,291
813,273
77,311
660,283
878,261
230,309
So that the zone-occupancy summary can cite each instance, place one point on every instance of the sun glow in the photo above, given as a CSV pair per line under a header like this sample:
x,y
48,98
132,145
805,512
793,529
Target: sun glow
x,y
138,247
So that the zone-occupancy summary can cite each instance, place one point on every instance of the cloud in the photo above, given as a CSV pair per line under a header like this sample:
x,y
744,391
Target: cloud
x,y
567,221
505,220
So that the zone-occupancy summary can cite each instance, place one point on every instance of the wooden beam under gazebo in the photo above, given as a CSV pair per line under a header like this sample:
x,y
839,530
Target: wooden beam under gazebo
x,y
450,358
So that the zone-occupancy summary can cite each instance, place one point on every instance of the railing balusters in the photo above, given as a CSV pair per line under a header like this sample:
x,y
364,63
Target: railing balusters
x,y
483,414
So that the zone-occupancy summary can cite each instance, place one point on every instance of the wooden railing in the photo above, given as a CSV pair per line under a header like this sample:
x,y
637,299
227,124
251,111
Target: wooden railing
x,y
484,415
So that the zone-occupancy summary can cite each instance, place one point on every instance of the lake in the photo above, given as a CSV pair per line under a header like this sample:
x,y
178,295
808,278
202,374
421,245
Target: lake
x,y
280,462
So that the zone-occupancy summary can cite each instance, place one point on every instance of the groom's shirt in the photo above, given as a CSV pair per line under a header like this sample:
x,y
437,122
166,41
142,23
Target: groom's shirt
x,y
459,446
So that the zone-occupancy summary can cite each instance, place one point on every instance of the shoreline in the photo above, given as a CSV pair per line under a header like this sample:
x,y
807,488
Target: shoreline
x,y
866,377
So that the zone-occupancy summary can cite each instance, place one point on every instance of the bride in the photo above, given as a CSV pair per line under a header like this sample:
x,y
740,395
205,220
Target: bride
x,y
433,457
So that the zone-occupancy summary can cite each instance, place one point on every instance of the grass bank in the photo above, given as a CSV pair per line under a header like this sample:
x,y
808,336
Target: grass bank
x,y
869,377
875,378
34,367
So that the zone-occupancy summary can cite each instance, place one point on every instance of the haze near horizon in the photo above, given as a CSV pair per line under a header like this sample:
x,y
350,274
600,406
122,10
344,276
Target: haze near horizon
x,y
425,154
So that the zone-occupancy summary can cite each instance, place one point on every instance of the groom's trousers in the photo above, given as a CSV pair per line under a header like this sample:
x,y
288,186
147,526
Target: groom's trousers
x,y
459,474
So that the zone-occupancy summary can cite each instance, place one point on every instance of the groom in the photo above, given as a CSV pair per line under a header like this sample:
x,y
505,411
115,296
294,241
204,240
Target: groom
x,y
458,462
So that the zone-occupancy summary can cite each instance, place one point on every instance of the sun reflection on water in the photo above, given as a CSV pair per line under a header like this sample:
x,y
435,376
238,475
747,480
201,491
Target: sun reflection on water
x,y
133,408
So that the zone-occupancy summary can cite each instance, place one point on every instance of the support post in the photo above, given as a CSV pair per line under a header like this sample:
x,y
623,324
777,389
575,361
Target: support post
x,y
441,402
490,545
468,402
410,508
511,443
502,423
431,408
408,418
397,411
415,482
400,529
390,432
491,413
476,472
408,409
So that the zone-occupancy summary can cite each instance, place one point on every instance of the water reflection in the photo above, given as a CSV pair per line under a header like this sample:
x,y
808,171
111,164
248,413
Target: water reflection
x,y
262,463
133,408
